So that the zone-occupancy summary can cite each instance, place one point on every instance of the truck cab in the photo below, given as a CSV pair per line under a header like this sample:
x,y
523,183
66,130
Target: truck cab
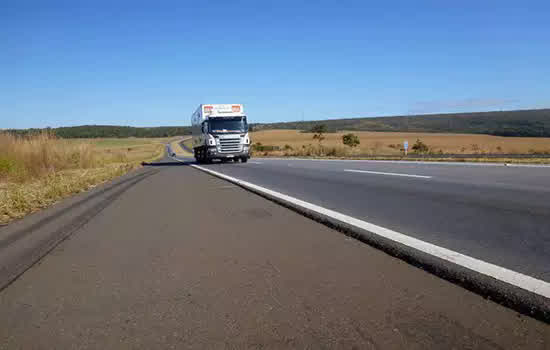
x,y
220,132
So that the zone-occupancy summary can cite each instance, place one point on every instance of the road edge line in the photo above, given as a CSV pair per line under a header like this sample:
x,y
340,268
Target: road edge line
x,y
517,291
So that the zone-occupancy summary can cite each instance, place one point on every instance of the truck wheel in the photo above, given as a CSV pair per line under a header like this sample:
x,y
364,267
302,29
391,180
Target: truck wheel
x,y
244,159
198,156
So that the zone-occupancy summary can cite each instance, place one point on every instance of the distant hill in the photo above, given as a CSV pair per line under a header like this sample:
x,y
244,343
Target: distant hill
x,y
535,123
96,131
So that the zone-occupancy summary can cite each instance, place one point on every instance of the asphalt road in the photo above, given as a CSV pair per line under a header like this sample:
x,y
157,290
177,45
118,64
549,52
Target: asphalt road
x,y
498,214
171,257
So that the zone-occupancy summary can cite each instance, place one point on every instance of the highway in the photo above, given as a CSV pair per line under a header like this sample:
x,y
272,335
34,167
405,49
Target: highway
x,y
499,214
169,256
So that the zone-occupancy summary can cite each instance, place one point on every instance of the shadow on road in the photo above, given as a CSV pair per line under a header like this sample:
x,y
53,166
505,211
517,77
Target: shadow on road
x,y
182,163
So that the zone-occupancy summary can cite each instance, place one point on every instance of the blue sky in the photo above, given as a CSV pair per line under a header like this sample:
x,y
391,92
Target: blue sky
x,y
151,63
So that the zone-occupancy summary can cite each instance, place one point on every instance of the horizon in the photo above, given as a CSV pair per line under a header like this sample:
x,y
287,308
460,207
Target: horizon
x,y
128,64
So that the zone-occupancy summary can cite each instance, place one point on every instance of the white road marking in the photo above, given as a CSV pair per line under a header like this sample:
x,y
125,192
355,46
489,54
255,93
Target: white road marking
x,y
391,174
514,278
255,162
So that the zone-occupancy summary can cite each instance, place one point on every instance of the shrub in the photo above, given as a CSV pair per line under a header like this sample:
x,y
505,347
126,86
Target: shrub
x,y
319,131
420,147
288,147
350,140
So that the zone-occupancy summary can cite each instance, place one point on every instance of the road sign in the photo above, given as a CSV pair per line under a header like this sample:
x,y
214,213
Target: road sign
x,y
406,146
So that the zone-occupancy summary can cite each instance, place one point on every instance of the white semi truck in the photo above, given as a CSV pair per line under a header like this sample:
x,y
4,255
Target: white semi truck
x,y
220,131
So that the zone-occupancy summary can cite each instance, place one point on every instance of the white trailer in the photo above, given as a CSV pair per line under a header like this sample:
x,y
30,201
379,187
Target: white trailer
x,y
220,131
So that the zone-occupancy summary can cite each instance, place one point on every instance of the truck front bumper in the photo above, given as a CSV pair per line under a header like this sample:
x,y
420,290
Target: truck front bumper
x,y
214,154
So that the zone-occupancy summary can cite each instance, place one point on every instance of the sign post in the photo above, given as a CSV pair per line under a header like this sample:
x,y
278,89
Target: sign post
x,y
406,146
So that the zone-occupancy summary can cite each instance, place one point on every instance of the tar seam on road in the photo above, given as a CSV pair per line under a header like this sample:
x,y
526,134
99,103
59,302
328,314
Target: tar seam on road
x,y
523,293
391,174
17,235
46,245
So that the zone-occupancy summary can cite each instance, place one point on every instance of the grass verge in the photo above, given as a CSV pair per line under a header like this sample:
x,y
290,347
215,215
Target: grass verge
x,y
40,170
534,161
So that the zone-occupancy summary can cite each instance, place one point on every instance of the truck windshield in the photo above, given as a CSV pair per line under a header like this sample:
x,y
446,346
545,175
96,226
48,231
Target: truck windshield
x,y
228,125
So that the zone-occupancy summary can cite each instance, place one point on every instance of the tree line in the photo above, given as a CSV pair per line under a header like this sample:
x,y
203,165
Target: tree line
x,y
102,131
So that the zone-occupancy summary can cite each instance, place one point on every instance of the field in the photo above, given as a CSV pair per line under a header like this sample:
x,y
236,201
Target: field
x,y
293,142
37,171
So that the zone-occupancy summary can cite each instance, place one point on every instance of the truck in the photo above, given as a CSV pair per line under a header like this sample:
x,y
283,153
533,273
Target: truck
x,y
220,131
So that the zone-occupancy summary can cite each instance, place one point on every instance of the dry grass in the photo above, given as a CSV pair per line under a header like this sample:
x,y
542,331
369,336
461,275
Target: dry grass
x,y
390,143
22,159
38,171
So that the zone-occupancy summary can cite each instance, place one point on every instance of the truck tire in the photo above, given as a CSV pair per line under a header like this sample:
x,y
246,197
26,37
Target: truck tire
x,y
199,156
244,159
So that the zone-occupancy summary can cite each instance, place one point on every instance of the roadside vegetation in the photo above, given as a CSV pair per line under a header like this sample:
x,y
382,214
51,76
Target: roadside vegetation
x,y
40,169
381,145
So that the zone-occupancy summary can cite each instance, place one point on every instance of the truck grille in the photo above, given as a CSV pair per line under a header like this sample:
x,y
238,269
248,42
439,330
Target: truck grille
x,y
230,145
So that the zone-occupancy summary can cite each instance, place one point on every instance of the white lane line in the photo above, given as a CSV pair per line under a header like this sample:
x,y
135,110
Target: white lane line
x,y
391,174
514,278
255,162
